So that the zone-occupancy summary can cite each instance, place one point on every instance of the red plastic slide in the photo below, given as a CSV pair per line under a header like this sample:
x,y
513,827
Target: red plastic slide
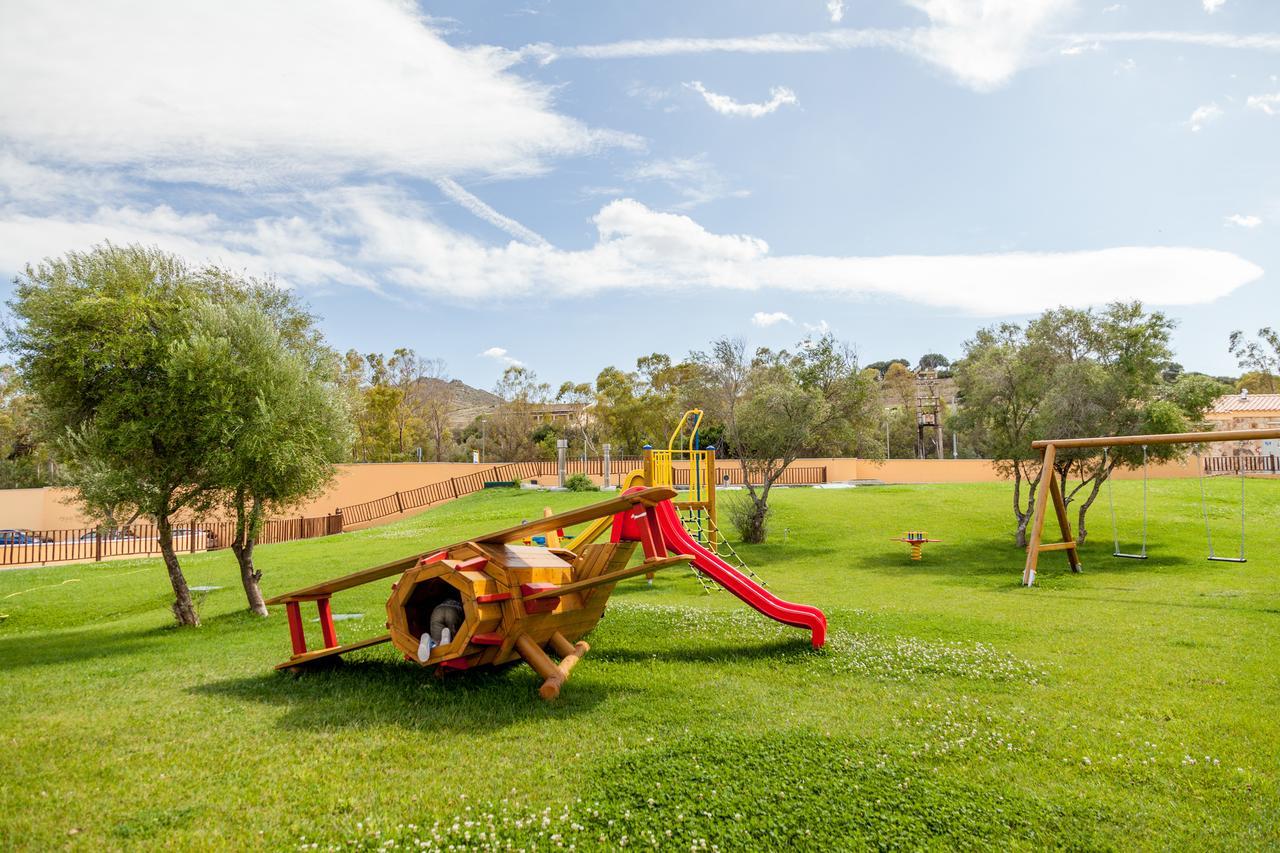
x,y
797,615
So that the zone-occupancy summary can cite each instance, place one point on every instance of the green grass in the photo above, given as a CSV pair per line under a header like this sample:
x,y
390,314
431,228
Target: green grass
x,y
1131,706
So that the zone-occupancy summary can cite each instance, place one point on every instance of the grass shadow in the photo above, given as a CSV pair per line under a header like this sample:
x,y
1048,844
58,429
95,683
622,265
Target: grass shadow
x,y
371,692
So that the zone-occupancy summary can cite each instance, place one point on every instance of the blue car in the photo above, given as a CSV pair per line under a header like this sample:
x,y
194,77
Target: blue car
x,y
18,537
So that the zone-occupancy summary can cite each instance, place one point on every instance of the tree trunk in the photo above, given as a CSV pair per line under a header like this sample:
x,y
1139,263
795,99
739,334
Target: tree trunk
x,y
757,524
184,609
242,547
1102,476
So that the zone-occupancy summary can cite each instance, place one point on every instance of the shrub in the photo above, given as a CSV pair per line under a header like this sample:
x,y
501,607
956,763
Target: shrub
x,y
745,518
580,483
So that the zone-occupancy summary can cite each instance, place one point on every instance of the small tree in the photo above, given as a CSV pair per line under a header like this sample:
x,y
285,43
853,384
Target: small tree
x,y
1261,357
778,406
93,338
1071,373
270,415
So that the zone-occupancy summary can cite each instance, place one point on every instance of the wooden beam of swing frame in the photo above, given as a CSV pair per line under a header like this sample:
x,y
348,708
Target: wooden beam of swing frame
x,y
1048,488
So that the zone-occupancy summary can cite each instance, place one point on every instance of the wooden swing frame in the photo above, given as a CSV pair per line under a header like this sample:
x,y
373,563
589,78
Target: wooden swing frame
x,y
1049,490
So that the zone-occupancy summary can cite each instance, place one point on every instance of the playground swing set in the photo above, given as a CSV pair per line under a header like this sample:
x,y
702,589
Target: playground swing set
x,y
490,600
1050,491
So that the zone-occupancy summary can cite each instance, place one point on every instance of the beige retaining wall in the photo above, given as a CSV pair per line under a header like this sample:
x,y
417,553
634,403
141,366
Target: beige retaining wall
x,y
50,509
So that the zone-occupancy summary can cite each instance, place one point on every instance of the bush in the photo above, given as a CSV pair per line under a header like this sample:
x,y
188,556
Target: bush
x,y
580,483
742,514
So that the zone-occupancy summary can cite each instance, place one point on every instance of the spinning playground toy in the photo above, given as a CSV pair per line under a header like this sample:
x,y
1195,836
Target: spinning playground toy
x,y
488,602
916,539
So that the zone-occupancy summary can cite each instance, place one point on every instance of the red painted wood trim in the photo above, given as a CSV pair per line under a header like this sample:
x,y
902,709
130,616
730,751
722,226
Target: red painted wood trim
x,y
296,635
326,623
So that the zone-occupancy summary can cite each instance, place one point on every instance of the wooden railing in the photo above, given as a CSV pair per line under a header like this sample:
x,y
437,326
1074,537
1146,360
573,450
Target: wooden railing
x,y
731,475
25,547
1237,464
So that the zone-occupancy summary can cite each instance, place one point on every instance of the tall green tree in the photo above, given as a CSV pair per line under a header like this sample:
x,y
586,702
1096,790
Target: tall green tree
x,y
778,406
270,415
92,337
1072,372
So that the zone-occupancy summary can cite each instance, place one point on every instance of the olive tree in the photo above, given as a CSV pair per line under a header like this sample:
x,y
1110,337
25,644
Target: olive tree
x,y
269,414
1072,372
776,407
92,337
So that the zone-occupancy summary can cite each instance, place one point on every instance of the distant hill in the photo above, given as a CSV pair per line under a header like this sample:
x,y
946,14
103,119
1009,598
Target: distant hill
x,y
468,402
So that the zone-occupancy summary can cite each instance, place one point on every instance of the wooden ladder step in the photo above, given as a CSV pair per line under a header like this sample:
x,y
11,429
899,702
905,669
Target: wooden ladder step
x,y
493,638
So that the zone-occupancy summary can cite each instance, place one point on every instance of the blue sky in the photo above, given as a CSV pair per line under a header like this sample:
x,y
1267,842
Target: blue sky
x,y
575,185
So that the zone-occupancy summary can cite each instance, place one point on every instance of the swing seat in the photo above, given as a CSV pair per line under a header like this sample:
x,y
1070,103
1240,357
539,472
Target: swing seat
x,y
1128,556
1227,559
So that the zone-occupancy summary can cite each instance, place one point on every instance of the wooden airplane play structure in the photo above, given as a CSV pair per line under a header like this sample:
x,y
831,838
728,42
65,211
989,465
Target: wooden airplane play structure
x,y
523,601
1051,492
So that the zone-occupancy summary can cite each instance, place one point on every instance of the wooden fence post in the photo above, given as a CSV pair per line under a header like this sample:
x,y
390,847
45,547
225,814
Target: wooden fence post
x,y
97,545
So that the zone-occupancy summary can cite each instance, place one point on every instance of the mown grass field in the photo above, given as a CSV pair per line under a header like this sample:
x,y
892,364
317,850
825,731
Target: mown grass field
x,y
1133,706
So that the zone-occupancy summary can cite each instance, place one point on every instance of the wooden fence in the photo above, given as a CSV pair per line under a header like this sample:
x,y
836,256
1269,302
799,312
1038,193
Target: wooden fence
x,y
24,547
1247,464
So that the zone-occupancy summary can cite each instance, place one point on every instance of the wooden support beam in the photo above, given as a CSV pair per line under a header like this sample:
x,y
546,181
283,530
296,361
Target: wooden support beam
x,y
1064,525
1170,438
301,661
553,678
1037,516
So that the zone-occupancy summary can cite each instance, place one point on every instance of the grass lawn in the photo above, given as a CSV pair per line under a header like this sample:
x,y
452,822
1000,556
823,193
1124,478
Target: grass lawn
x,y
1132,706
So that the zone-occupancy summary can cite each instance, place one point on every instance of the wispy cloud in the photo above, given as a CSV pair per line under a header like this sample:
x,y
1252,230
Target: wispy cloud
x,y
981,44
694,179
500,355
401,100
835,8
725,105
765,319
404,250
1202,116
1243,221
452,189
1212,6
1254,41
1269,104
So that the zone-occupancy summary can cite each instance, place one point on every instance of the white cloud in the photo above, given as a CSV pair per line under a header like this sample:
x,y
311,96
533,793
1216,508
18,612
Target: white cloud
x,y
1212,6
694,179
1114,7
1243,221
726,106
1255,41
765,319
819,328
835,8
451,188
1269,104
500,355
1079,47
1204,115
1128,66
985,42
397,243
982,43
289,93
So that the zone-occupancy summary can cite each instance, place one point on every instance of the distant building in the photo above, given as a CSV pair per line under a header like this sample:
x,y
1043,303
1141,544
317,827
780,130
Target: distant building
x,y
1247,411
559,413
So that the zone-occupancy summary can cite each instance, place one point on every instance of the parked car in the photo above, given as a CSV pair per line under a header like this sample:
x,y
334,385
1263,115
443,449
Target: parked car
x,y
113,536
19,537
